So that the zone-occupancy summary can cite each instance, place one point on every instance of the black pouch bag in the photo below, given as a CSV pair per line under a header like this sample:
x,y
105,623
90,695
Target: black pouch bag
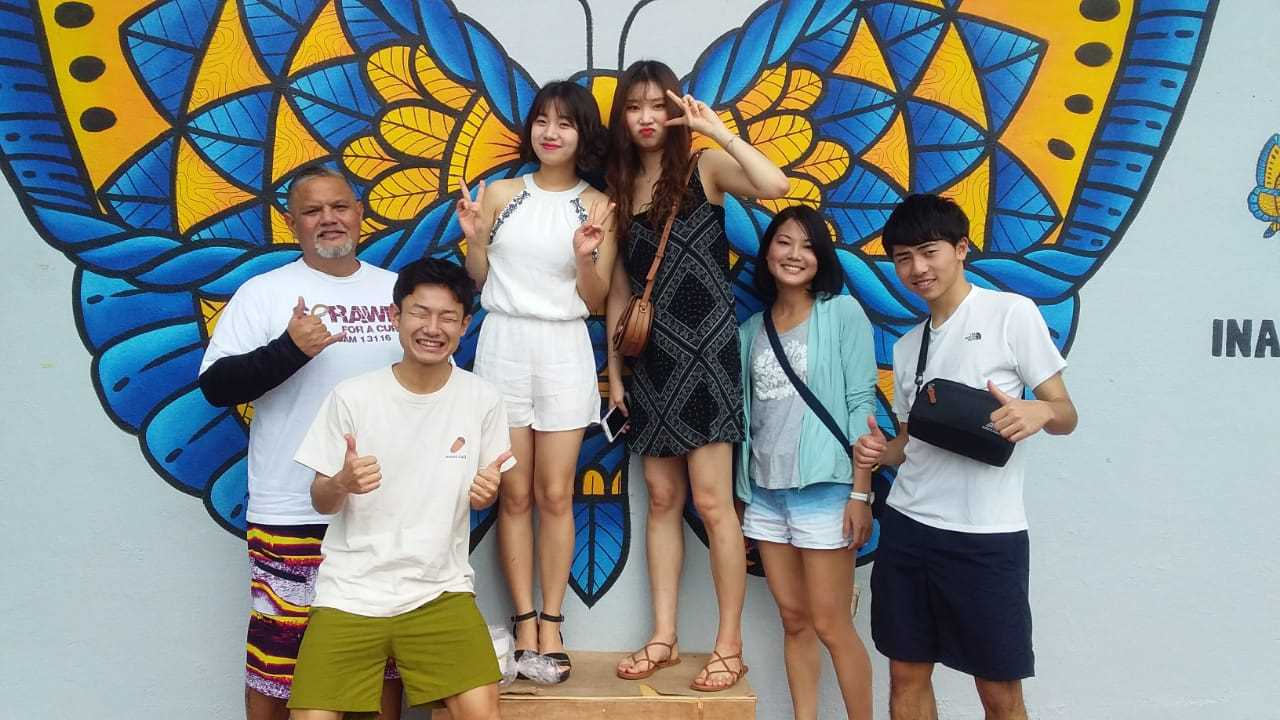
x,y
954,416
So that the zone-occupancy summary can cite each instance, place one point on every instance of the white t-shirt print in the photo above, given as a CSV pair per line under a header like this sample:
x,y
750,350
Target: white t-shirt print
x,y
406,542
259,312
995,336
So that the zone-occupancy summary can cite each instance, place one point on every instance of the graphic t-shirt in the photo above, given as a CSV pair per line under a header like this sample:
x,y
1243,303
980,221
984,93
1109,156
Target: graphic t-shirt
x,y
259,312
404,543
993,336
777,410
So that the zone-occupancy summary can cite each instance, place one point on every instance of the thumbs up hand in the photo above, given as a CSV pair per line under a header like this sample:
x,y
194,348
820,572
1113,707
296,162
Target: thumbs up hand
x,y
358,475
484,488
1018,419
869,448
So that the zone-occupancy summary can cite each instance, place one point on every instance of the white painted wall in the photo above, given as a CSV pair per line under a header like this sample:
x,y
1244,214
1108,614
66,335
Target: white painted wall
x,y
1155,593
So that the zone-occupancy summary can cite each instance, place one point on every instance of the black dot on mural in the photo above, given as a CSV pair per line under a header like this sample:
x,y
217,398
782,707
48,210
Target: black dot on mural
x,y
87,68
1061,149
94,299
1184,34
1094,54
12,137
120,384
1100,10
235,511
174,455
73,14
1079,104
28,174
97,119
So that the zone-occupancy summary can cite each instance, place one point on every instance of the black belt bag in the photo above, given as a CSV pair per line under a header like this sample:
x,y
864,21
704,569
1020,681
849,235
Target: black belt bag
x,y
954,416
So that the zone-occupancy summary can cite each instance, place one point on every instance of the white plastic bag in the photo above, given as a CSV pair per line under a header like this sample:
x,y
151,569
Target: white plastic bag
x,y
503,647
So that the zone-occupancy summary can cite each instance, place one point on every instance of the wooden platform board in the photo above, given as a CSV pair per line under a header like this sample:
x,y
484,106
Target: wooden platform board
x,y
593,691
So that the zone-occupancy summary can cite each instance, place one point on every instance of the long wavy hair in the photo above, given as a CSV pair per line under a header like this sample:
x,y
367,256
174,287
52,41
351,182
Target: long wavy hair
x,y
624,158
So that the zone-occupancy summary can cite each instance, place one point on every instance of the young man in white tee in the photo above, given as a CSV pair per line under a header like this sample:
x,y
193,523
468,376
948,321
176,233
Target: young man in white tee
x,y
951,574
402,454
282,342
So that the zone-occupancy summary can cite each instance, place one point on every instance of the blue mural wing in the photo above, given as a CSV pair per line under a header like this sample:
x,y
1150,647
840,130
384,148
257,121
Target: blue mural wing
x,y
862,104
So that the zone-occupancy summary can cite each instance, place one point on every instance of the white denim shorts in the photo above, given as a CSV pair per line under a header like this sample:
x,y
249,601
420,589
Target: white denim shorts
x,y
545,370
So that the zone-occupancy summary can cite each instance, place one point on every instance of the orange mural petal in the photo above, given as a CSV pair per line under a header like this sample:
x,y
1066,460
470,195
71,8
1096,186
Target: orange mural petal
x,y
199,191
417,131
484,143
325,41
782,138
229,64
764,93
403,194
391,73
802,192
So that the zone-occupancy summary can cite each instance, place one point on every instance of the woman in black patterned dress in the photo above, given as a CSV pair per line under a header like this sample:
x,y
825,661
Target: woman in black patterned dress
x,y
684,396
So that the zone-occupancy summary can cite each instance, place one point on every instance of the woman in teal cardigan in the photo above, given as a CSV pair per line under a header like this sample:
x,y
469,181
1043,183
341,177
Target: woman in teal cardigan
x,y
806,509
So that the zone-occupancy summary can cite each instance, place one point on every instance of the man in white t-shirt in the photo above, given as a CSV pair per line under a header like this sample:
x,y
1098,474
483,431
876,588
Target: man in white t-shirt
x,y
402,454
951,574
282,342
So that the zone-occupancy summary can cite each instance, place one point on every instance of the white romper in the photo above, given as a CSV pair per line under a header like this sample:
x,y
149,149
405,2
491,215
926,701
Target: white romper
x,y
534,344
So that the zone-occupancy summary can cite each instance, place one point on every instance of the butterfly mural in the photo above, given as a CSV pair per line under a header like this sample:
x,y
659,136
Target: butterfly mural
x,y
1264,201
152,142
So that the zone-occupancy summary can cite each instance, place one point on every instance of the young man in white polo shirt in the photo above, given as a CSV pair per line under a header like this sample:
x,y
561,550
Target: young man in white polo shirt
x,y
951,574
401,455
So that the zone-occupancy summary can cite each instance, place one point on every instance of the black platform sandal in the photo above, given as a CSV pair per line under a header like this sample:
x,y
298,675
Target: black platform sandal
x,y
520,653
561,659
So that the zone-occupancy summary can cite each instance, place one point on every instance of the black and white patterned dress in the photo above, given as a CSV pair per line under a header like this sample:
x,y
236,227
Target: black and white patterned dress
x,y
686,387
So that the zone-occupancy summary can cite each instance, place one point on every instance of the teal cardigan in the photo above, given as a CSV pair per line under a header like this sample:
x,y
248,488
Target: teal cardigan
x,y
841,374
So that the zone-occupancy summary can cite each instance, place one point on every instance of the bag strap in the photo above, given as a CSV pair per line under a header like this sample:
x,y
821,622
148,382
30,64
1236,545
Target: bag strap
x,y
666,230
924,353
814,404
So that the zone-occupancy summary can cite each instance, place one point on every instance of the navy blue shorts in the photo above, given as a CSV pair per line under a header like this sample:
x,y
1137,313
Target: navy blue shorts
x,y
960,599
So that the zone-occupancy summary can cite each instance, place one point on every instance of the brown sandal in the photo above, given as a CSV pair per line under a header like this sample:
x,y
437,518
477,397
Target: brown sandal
x,y
654,665
724,661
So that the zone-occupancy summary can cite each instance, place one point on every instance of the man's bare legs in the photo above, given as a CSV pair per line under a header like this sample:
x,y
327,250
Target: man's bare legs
x,y
911,691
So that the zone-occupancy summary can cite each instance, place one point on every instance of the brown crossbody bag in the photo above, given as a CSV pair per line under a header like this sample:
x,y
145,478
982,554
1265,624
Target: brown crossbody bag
x,y
636,321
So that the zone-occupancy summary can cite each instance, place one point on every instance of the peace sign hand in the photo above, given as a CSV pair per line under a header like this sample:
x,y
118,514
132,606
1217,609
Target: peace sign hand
x,y
469,210
589,235
698,116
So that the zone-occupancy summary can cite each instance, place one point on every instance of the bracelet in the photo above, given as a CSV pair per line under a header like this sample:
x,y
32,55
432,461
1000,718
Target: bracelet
x,y
863,497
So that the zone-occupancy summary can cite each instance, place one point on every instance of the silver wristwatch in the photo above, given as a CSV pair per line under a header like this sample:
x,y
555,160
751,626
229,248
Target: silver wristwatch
x,y
864,497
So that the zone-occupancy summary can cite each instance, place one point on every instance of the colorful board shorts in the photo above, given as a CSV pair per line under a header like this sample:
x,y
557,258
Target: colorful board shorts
x,y
283,560
442,649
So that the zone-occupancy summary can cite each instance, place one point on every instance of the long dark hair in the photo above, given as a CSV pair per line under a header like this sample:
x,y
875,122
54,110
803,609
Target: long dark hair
x,y
578,105
624,159
829,277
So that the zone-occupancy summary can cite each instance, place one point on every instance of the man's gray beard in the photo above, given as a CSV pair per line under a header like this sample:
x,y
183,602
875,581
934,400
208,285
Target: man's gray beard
x,y
334,252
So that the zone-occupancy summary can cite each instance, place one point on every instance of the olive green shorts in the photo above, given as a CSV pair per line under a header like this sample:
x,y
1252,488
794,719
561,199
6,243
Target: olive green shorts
x,y
442,649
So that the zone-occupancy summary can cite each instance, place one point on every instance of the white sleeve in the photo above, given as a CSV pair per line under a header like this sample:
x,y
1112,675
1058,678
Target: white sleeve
x,y
325,446
241,328
904,383
1034,353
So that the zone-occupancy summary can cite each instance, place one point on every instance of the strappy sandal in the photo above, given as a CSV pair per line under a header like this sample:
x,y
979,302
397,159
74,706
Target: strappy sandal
x,y
520,653
672,658
726,670
561,659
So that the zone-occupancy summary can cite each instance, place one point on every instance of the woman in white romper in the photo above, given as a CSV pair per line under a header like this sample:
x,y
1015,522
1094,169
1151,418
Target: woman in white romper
x,y
541,246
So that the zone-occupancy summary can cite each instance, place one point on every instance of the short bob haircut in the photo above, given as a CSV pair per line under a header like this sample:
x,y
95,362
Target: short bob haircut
x,y
434,271
829,278
578,105
924,218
